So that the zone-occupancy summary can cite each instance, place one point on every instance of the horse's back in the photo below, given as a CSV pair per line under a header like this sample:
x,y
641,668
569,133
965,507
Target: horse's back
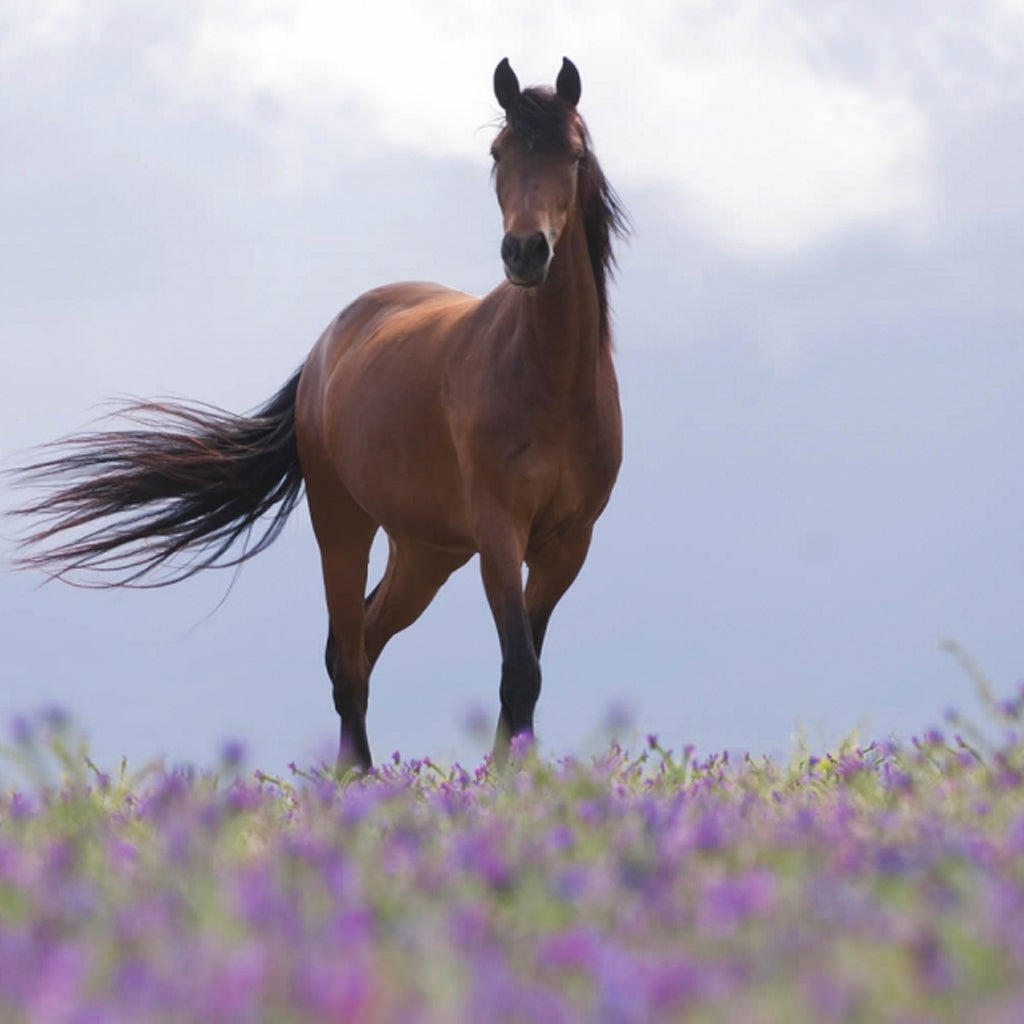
x,y
392,330
371,318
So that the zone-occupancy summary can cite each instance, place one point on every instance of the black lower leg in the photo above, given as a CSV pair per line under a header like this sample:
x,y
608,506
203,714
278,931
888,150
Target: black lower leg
x,y
354,750
350,690
520,689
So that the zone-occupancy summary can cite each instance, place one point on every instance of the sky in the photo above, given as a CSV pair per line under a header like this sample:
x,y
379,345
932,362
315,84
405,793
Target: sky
x,y
818,322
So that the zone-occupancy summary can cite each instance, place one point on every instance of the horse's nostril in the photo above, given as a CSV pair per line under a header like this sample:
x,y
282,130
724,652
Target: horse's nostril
x,y
536,250
511,249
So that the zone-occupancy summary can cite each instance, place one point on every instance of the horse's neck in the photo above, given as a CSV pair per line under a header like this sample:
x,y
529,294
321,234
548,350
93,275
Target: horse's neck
x,y
560,321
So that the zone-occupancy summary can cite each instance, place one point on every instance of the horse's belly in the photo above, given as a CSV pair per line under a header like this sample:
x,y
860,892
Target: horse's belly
x,y
431,515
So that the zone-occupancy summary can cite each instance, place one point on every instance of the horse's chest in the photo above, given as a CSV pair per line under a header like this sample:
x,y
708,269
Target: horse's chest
x,y
568,477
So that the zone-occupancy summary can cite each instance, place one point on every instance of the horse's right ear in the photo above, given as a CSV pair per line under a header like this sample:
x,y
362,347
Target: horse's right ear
x,y
506,85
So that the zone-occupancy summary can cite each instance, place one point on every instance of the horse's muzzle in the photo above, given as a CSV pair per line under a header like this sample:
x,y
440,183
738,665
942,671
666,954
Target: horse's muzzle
x,y
526,259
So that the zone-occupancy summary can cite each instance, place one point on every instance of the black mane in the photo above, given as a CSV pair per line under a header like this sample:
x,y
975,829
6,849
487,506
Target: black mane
x,y
543,120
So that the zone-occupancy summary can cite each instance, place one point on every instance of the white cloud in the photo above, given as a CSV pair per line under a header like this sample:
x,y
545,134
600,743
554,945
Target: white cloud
x,y
765,150
772,154
42,22
29,29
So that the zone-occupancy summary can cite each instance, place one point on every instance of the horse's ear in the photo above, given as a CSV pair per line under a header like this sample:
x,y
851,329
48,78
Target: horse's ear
x,y
567,85
506,85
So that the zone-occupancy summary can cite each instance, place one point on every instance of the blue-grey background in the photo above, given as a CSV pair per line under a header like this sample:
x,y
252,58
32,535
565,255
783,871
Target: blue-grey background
x,y
819,341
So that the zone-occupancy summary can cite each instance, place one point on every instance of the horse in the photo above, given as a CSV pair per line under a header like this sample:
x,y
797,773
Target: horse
x,y
459,425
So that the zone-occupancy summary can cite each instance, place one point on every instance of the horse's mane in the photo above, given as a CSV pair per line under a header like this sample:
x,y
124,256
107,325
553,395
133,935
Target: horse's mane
x,y
543,120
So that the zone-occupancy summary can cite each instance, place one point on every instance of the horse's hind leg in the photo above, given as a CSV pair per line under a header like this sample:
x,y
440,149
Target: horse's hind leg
x,y
552,571
345,583
345,533
414,574
331,648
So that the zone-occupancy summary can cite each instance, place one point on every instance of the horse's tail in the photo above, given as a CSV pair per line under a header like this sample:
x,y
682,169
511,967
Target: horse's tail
x,y
153,505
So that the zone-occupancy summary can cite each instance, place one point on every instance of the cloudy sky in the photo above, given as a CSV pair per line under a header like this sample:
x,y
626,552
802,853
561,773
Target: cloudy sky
x,y
820,339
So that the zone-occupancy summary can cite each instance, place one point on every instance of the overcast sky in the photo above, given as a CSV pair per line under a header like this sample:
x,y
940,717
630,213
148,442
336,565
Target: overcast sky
x,y
819,324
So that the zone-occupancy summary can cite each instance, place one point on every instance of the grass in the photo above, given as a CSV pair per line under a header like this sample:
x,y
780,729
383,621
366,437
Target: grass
x,y
874,882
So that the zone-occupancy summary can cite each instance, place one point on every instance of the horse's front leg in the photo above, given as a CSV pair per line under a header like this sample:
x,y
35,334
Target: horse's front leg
x,y
502,548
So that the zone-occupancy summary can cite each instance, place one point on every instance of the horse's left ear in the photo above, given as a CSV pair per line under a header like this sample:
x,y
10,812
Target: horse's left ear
x,y
567,85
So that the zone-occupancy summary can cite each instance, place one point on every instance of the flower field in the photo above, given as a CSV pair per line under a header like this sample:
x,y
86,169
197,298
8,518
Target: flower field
x,y
877,882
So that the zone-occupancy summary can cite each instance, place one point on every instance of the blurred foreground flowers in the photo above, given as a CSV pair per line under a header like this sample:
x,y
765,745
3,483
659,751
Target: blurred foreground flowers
x,y
879,882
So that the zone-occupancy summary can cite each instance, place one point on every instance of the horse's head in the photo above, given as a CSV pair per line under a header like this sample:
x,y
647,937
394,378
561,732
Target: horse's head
x,y
536,158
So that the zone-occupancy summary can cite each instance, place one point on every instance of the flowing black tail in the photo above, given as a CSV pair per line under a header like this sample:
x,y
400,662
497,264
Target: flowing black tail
x,y
151,506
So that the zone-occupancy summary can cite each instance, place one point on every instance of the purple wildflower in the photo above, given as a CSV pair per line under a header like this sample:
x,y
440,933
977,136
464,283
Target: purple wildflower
x,y
232,754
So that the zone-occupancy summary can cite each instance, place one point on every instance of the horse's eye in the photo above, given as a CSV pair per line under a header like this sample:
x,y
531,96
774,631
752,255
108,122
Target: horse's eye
x,y
495,155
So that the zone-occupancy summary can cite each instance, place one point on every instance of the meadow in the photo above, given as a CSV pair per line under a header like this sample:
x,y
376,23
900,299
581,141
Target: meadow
x,y
879,881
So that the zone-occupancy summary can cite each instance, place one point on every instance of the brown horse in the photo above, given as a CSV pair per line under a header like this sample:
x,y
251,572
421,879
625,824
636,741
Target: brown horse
x,y
459,425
